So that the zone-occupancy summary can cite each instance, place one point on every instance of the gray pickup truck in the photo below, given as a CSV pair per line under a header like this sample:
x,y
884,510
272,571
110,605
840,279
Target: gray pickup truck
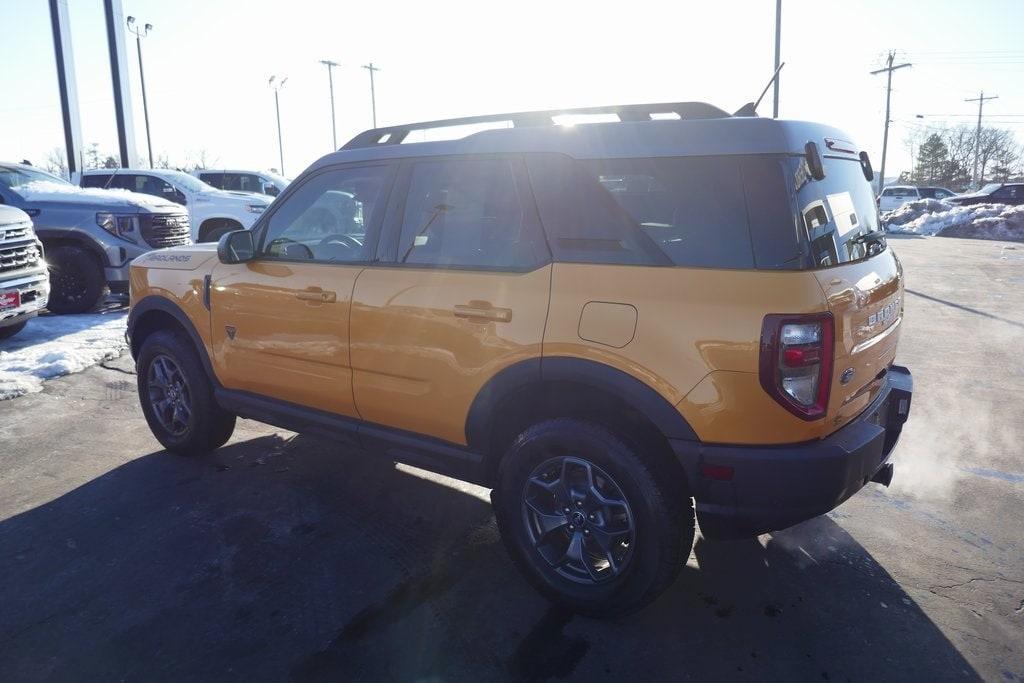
x,y
90,236
24,281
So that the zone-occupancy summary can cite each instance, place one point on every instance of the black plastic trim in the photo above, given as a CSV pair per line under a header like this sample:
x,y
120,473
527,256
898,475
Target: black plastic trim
x,y
399,445
484,416
159,303
79,239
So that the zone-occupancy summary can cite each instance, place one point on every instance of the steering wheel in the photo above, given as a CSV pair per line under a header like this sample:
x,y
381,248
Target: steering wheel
x,y
346,240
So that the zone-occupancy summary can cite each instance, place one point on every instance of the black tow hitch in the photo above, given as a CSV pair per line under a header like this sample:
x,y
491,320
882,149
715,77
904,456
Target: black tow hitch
x,y
884,475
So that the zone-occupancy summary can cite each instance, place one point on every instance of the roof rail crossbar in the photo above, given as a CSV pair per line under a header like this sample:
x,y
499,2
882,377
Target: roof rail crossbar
x,y
393,135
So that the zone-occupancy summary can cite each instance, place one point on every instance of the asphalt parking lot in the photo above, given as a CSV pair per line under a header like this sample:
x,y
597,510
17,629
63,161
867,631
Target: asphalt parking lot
x,y
283,556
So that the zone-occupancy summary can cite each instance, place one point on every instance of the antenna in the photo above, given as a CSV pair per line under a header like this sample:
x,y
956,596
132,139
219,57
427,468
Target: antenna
x,y
770,81
750,108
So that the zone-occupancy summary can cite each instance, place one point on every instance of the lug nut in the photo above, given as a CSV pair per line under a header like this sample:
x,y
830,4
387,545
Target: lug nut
x,y
586,532
579,503
572,528
566,510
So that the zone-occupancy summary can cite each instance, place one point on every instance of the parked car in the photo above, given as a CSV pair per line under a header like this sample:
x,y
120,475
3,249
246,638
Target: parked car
x,y
603,327
24,281
994,193
895,196
90,236
212,212
258,182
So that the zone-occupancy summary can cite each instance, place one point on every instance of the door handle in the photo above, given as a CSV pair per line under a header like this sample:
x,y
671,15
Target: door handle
x,y
481,310
317,294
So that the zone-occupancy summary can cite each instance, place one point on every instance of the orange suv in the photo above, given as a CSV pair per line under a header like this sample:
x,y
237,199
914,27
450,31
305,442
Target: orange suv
x,y
623,328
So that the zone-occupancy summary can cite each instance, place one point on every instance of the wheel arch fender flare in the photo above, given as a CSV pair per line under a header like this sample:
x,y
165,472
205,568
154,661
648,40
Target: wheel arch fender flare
x,y
587,374
140,313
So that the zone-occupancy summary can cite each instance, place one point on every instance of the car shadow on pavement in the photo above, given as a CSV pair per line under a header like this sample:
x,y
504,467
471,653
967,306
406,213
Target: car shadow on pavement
x,y
274,559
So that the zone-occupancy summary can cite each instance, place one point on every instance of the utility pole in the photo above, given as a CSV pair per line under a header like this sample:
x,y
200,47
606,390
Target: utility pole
x,y
139,35
980,99
276,86
778,55
373,97
889,68
330,80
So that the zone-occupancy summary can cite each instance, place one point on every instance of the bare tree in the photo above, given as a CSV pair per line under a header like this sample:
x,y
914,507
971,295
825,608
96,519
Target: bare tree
x,y
57,163
996,144
200,158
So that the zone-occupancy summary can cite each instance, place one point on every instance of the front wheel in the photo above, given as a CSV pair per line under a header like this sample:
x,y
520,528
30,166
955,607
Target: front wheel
x,y
588,519
177,396
77,283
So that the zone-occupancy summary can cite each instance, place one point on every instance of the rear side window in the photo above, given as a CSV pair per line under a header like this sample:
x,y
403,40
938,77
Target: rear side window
x,y
712,212
899,192
471,214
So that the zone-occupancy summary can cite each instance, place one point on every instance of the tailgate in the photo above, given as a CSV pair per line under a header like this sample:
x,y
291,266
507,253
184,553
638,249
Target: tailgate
x,y
866,301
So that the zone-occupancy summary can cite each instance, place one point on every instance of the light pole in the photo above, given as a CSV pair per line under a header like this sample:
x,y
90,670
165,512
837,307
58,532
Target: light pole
x,y
330,80
778,56
276,85
139,35
373,96
888,69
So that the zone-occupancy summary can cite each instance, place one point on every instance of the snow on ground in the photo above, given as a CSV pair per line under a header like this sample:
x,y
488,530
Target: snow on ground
x,y
55,345
935,217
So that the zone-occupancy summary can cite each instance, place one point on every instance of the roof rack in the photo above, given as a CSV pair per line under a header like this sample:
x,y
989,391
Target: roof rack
x,y
394,135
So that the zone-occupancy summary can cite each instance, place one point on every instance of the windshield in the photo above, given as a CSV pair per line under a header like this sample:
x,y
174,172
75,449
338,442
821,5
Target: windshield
x,y
279,179
13,176
190,183
990,188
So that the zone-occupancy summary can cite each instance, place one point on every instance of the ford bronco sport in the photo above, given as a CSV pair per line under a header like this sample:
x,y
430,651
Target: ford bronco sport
x,y
618,327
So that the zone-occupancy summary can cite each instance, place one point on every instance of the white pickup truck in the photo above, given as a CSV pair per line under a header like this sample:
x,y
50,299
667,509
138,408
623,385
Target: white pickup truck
x,y
24,280
212,212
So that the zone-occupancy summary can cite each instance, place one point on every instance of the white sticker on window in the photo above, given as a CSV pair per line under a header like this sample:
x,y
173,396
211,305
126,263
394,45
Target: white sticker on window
x,y
843,212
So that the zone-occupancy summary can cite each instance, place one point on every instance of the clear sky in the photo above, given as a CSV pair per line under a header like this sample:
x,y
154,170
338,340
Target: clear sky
x,y
207,63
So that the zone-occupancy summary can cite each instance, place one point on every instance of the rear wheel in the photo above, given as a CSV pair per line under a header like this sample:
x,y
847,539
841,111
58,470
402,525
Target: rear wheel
x,y
588,520
177,396
11,330
77,284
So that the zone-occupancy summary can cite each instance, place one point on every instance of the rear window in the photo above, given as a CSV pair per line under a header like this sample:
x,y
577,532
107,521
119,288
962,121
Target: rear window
x,y
837,212
899,192
95,180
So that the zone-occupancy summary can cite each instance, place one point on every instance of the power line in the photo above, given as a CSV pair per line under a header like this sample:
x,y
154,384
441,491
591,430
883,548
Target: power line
x,y
887,70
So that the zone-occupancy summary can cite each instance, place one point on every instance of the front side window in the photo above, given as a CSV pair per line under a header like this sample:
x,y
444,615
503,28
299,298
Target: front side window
x,y
213,179
468,213
329,218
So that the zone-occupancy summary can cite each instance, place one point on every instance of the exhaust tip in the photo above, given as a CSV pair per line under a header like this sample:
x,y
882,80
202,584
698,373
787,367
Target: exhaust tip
x,y
884,475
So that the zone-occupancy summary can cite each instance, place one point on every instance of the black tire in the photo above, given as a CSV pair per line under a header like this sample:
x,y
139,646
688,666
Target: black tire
x,y
77,283
216,231
206,426
11,330
663,523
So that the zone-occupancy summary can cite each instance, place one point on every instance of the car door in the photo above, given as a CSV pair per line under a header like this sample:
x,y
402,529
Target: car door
x,y
280,322
461,293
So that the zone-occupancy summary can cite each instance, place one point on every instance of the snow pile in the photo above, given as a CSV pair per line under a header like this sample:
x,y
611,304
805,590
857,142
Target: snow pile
x,y
934,217
44,190
55,345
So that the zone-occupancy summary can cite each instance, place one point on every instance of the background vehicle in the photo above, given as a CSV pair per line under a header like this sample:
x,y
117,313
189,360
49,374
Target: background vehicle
x,y
258,182
212,212
24,281
90,236
994,193
895,196
604,327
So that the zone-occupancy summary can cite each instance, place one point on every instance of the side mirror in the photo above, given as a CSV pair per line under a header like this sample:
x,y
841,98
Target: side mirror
x,y
814,163
865,165
271,189
236,247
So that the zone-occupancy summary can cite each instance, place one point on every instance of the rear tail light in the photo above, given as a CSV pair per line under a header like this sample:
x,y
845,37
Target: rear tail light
x,y
796,362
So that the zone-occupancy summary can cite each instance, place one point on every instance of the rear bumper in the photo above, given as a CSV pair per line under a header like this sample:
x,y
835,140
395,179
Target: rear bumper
x,y
774,487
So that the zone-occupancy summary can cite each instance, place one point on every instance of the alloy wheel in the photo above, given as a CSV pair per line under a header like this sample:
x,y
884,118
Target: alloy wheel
x,y
169,395
578,519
